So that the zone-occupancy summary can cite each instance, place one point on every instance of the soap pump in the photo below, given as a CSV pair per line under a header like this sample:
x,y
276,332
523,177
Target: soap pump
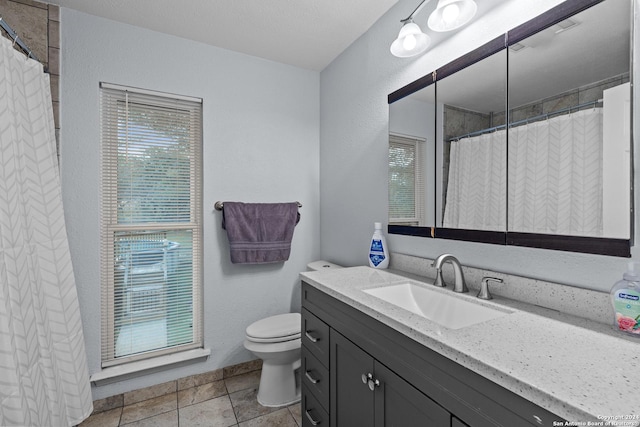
x,y
625,297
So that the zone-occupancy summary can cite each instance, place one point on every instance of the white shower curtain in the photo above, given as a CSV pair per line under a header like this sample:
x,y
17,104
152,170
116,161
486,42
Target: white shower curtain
x,y
555,178
44,378
555,175
477,187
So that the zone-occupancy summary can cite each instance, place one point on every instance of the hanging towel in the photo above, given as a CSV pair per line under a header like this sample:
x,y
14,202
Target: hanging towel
x,y
259,233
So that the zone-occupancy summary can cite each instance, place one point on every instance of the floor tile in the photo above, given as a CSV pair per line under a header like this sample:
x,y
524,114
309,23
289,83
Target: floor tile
x,y
211,413
110,418
280,418
108,403
242,368
246,406
201,393
199,379
243,382
296,411
147,393
149,408
168,419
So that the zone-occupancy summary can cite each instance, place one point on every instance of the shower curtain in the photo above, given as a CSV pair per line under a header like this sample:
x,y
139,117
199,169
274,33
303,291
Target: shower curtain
x,y
44,379
555,175
555,178
477,188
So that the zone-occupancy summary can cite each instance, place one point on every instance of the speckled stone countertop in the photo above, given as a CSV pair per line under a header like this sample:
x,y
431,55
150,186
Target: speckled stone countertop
x,y
578,369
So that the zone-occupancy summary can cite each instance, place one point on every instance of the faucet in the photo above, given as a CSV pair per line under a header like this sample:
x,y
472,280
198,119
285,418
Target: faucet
x,y
460,285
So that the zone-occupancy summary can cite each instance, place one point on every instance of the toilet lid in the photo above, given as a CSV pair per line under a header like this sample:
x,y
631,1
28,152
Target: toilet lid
x,y
282,327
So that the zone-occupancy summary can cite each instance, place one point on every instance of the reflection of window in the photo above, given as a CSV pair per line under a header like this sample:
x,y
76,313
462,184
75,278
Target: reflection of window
x,y
151,227
406,180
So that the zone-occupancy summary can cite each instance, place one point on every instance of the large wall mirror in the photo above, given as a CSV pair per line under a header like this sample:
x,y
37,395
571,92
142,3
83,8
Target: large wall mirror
x,y
531,137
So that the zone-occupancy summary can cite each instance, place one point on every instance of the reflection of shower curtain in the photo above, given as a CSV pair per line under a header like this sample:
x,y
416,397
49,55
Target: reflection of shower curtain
x,y
555,175
476,193
555,178
44,379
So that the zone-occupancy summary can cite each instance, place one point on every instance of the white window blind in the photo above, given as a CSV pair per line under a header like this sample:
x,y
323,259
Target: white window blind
x,y
151,224
406,181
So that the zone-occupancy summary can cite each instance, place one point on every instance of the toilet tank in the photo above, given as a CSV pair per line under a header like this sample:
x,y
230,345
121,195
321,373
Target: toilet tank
x,y
322,265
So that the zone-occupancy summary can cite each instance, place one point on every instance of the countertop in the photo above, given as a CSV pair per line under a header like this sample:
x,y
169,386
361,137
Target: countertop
x,y
580,370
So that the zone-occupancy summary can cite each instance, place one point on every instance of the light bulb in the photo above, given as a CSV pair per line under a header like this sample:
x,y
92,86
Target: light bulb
x,y
409,42
450,13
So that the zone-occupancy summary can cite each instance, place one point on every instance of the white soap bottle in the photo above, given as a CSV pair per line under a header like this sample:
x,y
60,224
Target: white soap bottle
x,y
625,297
378,252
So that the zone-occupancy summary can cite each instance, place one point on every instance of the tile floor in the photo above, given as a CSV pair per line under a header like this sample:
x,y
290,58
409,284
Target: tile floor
x,y
226,397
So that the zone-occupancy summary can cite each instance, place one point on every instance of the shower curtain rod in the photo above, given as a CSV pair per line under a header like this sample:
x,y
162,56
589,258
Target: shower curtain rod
x,y
16,39
526,121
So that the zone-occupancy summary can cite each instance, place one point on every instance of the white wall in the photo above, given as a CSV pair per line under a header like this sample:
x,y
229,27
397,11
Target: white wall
x,y
353,152
261,139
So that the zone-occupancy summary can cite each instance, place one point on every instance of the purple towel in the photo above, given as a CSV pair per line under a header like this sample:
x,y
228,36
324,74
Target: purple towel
x,y
259,233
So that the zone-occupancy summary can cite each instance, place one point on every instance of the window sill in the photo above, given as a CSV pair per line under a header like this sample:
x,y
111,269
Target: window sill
x,y
134,369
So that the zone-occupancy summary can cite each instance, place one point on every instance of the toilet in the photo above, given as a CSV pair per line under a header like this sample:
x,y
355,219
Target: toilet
x,y
276,340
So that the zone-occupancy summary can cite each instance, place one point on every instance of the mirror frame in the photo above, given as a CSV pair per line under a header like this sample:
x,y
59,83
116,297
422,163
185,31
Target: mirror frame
x,y
581,244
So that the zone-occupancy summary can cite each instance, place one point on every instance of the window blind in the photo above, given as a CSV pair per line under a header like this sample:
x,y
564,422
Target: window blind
x,y
406,181
151,224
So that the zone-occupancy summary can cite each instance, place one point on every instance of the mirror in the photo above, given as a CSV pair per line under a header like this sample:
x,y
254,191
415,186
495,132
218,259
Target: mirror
x,y
472,173
411,157
569,126
557,174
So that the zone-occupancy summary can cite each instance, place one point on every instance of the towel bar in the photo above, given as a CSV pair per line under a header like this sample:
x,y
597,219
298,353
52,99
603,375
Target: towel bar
x,y
220,205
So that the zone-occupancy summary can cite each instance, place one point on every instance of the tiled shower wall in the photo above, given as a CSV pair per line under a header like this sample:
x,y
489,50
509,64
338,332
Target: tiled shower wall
x,y
38,25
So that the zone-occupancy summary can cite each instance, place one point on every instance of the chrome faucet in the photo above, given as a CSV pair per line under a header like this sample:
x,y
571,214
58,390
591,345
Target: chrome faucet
x,y
460,285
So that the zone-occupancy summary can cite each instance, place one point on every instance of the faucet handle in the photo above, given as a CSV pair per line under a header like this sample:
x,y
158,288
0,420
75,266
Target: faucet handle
x,y
484,287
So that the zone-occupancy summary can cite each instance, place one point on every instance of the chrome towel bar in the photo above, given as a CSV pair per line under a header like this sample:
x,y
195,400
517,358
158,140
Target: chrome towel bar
x,y
220,205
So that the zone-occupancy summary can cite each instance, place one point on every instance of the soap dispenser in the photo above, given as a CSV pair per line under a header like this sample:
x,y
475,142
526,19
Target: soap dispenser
x,y
625,297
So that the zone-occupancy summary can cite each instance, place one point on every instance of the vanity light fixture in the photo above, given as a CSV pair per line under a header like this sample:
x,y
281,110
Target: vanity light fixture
x,y
452,14
449,15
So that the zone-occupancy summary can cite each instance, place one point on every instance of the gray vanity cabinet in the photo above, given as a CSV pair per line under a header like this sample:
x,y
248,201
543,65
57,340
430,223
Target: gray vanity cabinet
x,y
412,384
366,393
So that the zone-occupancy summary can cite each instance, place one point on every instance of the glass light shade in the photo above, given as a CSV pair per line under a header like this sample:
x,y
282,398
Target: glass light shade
x,y
411,41
452,14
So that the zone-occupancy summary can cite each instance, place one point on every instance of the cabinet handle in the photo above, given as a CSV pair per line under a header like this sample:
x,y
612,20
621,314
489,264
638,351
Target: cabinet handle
x,y
366,377
373,384
311,378
313,421
311,337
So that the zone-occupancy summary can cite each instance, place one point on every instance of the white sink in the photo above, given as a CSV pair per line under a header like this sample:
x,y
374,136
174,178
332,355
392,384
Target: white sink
x,y
446,310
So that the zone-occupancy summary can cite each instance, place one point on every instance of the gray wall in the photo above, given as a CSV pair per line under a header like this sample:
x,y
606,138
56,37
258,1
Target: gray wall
x,y
353,153
261,139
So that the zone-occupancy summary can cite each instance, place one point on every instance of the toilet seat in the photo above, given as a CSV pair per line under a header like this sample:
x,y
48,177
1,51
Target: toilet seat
x,y
279,328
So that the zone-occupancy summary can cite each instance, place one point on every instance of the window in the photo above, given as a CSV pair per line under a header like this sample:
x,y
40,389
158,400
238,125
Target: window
x,y
406,181
151,224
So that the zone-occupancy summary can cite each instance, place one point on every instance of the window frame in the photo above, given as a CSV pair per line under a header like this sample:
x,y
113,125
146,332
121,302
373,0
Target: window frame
x,y
418,146
110,225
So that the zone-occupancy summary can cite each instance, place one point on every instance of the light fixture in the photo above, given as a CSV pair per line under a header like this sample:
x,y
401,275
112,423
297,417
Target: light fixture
x,y
452,14
411,41
449,15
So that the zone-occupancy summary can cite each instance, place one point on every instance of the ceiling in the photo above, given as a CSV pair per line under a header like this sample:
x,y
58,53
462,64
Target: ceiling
x,y
304,33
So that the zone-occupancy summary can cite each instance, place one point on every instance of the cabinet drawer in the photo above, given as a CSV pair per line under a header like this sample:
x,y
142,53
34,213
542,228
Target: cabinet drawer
x,y
313,414
315,336
315,377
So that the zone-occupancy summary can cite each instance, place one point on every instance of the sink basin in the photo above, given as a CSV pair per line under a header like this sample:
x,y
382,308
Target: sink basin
x,y
446,310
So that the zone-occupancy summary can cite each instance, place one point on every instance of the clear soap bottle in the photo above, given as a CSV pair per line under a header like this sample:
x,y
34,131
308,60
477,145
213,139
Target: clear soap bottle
x,y
625,297
378,251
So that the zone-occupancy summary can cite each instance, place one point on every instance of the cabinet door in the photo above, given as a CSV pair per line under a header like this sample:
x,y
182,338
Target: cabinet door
x,y
351,400
399,404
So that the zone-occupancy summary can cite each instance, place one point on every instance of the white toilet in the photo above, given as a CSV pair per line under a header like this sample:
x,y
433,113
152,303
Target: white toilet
x,y
276,340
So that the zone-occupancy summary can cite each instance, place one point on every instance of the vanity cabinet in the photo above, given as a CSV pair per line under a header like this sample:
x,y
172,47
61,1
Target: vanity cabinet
x,y
381,397
357,371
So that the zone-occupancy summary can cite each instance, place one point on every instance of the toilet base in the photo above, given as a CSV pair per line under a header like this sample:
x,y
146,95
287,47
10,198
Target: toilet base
x,y
278,386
